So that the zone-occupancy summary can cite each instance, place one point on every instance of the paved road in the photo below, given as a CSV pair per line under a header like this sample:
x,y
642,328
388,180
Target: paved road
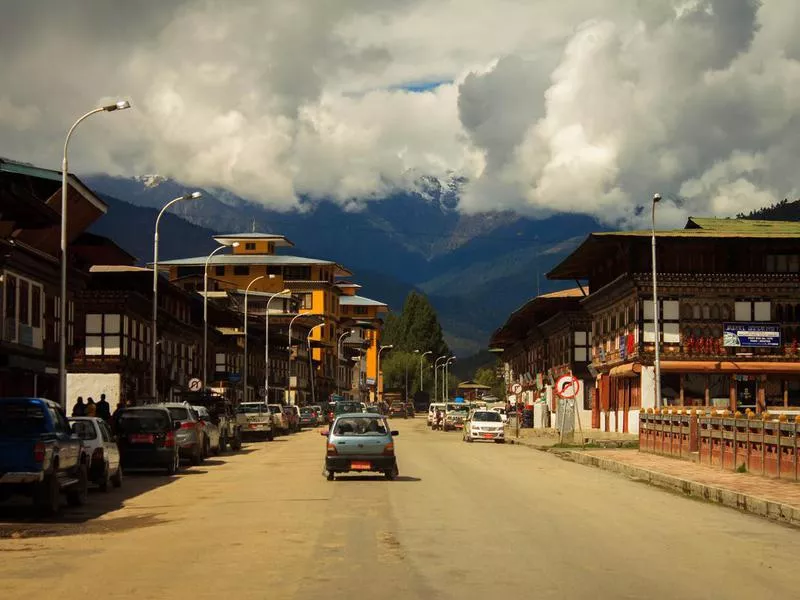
x,y
463,521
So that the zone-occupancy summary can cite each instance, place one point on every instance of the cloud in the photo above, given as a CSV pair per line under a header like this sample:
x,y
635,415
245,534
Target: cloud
x,y
546,106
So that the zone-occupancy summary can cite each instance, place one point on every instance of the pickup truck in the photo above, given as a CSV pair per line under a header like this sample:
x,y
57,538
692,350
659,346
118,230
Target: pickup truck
x,y
280,421
39,456
255,419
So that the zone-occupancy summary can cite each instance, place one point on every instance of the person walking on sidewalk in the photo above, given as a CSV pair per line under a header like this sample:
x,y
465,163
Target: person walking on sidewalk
x,y
91,408
79,410
103,408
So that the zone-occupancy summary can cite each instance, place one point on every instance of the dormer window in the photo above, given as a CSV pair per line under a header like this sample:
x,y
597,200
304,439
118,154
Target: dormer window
x,y
250,246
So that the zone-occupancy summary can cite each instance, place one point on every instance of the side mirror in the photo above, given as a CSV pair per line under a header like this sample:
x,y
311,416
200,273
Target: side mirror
x,y
325,432
176,425
395,433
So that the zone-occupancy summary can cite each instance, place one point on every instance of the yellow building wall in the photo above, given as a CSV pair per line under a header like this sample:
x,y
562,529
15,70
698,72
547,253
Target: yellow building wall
x,y
254,247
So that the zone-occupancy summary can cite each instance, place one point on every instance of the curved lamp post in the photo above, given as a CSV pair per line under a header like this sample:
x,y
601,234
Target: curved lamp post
x,y
436,366
445,383
153,352
62,324
205,309
338,360
245,366
311,362
421,356
291,322
266,342
657,361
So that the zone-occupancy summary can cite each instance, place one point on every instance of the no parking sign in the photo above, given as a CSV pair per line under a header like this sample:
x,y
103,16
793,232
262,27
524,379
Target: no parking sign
x,y
567,386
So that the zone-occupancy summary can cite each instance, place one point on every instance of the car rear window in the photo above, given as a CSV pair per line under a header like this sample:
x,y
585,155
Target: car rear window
x,y
346,407
178,413
84,429
143,421
360,426
252,408
21,418
487,416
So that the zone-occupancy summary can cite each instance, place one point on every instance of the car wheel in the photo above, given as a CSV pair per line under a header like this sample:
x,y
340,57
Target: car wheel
x,y
173,466
206,448
116,478
48,495
331,475
78,493
216,450
392,475
499,441
105,482
270,435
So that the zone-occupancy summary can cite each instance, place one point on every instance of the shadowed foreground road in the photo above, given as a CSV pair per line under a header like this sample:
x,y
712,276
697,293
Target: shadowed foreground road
x,y
462,521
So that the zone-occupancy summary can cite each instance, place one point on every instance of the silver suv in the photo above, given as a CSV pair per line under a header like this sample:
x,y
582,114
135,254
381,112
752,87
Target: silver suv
x,y
189,437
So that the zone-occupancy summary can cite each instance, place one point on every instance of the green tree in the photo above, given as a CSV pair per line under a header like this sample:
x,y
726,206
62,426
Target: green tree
x,y
396,365
415,328
488,376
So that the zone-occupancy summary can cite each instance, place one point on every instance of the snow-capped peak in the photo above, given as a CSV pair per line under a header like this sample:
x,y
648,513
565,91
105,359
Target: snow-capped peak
x,y
151,181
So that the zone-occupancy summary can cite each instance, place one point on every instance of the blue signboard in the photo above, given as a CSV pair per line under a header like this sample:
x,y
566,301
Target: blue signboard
x,y
459,399
751,335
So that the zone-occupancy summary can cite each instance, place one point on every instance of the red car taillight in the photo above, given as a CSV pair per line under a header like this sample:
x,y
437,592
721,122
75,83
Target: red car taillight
x,y
169,439
38,452
188,425
388,449
332,450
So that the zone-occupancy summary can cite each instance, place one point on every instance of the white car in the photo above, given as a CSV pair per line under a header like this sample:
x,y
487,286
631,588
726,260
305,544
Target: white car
x,y
486,425
211,434
501,410
432,411
98,439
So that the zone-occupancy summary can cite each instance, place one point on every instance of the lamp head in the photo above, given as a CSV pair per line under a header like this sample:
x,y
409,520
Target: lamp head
x,y
656,198
194,195
121,105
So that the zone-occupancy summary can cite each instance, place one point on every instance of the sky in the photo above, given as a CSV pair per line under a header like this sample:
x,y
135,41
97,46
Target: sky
x,y
541,106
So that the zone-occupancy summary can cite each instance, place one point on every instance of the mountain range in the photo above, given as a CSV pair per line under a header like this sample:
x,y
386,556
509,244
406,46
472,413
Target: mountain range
x,y
475,269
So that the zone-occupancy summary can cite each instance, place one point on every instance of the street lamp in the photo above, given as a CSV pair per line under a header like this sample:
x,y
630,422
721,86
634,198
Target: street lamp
x,y
311,362
436,376
338,360
266,342
445,387
62,325
205,309
421,356
291,322
657,361
378,378
153,355
245,366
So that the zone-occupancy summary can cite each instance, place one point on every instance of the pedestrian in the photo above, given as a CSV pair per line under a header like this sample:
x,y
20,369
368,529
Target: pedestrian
x,y
79,410
103,408
91,408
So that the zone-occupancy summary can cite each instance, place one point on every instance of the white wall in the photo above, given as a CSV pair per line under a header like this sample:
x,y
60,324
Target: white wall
x,y
648,393
92,385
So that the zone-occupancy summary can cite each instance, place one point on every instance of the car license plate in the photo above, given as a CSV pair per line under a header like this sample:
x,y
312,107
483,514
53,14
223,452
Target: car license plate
x,y
360,466
488,435
141,438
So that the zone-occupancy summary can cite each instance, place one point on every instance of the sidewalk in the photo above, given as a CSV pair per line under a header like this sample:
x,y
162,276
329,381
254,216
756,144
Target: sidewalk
x,y
547,438
773,499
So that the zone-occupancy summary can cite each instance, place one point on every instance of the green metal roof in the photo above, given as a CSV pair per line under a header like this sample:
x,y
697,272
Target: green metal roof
x,y
750,226
359,301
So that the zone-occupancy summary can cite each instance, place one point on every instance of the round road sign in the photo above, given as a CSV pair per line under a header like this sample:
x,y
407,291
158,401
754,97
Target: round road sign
x,y
195,385
567,386
516,388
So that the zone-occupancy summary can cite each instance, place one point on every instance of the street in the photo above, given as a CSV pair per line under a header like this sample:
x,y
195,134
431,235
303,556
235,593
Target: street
x,y
462,521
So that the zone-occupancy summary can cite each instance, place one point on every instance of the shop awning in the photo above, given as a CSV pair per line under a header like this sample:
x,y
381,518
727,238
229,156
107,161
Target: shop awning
x,y
628,370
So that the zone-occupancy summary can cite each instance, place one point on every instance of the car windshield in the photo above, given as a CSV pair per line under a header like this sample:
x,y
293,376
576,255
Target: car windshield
x,y
20,418
457,408
179,413
360,426
84,430
251,408
487,416
142,421
346,407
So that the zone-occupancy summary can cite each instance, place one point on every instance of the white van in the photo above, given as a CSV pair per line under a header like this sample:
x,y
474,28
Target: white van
x,y
432,411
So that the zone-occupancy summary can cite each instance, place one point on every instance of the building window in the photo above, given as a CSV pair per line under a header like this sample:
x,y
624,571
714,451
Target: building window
x,y
669,321
306,300
297,273
219,363
103,335
241,270
189,271
22,311
219,271
746,310
583,341
360,310
783,263
250,246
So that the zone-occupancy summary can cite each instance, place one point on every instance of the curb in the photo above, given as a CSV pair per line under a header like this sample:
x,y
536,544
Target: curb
x,y
767,509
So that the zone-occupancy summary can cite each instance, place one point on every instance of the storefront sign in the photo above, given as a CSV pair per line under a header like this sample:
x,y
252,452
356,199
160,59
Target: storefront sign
x,y
751,335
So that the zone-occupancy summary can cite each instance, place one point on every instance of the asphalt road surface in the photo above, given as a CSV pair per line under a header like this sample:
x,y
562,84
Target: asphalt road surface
x,y
462,521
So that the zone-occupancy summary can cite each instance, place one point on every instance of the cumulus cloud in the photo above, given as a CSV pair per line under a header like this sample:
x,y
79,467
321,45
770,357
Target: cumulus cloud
x,y
541,106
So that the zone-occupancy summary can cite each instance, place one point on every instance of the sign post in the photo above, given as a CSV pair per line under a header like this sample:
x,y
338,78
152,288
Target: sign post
x,y
567,388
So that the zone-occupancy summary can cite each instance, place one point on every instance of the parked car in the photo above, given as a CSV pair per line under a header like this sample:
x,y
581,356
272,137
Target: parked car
x,y
432,412
189,436
308,417
360,442
410,412
292,413
101,449
455,415
347,406
280,420
39,456
211,433
398,409
484,425
223,415
256,420
146,436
